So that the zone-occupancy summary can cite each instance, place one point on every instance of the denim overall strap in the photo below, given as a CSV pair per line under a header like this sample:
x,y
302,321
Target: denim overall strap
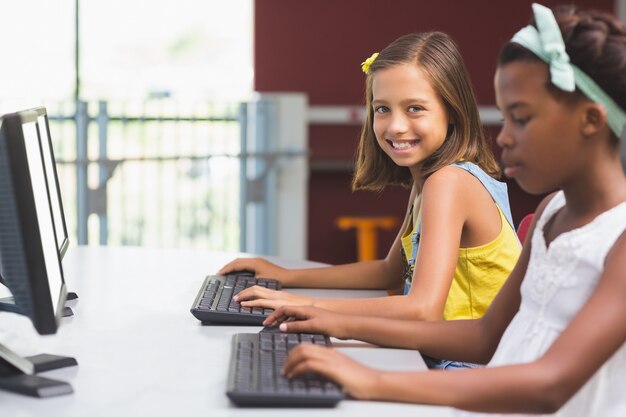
x,y
497,190
415,241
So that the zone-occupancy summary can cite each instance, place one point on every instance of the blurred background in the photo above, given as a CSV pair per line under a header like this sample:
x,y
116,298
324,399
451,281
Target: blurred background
x,y
230,125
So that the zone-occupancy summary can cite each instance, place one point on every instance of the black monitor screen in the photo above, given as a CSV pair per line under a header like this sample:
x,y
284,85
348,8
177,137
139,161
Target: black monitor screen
x,y
31,262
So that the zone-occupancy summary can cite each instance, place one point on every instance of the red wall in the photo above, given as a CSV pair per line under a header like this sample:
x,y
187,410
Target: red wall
x,y
316,47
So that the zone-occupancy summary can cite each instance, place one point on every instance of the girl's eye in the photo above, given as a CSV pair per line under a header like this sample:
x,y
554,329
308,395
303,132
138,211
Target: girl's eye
x,y
381,109
521,121
517,120
415,109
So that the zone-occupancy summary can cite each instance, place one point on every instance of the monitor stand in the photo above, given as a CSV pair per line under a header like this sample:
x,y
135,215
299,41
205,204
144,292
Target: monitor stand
x,y
70,295
17,373
67,311
8,304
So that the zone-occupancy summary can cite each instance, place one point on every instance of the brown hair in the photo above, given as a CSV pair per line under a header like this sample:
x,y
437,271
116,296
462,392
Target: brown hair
x,y
595,42
439,57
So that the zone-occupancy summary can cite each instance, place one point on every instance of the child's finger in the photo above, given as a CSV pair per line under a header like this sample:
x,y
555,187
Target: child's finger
x,y
233,265
297,326
277,316
298,358
259,302
286,313
253,292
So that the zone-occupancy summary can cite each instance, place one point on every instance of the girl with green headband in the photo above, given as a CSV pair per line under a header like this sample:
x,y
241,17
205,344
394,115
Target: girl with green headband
x,y
555,336
457,244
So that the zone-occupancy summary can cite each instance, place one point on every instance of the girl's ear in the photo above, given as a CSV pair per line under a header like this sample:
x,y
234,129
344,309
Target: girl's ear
x,y
594,119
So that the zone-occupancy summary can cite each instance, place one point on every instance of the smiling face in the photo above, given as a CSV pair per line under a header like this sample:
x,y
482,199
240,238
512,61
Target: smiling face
x,y
410,119
541,141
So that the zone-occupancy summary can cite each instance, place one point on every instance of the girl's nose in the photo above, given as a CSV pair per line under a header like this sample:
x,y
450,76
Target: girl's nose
x,y
504,139
398,123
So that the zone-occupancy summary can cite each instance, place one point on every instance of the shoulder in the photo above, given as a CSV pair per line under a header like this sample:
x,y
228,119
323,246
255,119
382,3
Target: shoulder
x,y
448,177
538,213
617,253
448,188
543,204
616,258
455,181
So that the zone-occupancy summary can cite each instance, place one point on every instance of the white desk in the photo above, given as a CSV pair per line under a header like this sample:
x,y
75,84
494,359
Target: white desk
x,y
142,353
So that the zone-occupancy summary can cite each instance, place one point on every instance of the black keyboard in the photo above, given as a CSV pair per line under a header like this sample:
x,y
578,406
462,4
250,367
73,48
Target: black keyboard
x,y
214,301
255,379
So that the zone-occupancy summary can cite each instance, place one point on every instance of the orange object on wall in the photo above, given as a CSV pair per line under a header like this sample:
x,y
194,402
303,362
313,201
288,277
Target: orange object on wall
x,y
366,236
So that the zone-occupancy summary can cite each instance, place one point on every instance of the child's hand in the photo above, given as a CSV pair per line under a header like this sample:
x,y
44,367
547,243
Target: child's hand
x,y
309,319
261,267
356,379
257,296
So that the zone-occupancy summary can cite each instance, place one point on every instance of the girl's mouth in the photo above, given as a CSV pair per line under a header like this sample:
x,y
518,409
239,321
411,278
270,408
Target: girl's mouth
x,y
511,170
402,145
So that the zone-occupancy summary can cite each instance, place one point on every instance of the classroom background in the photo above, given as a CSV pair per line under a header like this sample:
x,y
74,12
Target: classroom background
x,y
230,125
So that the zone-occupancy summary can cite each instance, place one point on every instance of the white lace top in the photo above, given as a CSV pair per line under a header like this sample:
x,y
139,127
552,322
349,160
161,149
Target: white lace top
x,y
558,282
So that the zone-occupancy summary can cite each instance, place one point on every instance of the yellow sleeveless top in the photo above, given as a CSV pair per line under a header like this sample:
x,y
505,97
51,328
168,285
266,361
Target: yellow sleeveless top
x,y
480,271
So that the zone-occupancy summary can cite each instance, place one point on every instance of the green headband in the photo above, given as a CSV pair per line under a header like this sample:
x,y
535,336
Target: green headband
x,y
547,43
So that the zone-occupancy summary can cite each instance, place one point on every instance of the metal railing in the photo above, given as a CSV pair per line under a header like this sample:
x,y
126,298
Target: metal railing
x,y
151,174
229,177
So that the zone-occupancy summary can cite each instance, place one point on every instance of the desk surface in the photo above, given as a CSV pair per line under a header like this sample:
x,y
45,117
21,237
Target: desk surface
x,y
141,352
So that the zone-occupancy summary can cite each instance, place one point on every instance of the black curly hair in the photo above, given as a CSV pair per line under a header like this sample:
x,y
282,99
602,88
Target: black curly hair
x,y
595,42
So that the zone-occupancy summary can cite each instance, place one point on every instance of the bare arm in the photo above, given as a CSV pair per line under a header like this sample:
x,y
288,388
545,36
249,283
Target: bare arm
x,y
592,337
506,389
443,216
449,199
544,385
463,340
379,274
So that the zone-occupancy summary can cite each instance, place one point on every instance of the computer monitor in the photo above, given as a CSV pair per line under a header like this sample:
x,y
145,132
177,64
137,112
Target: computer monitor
x,y
60,227
33,239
